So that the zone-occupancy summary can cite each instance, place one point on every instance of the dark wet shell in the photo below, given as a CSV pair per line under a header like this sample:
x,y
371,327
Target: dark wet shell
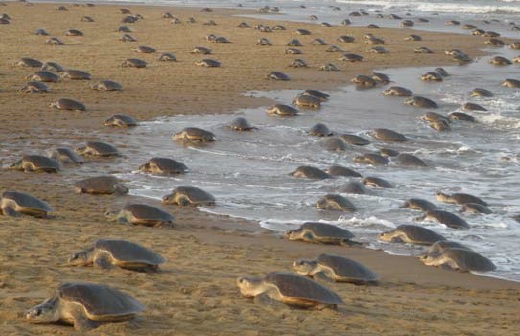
x,y
294,43
323,230
125,251
410,160
107,85
346,268
481,93
473,107
240,124
147,212
73,32
387,135
354,139
302,32
376,182
101,148
397,91
353,187
447,218
24,200
381,77
420,101
416,234
310,172
165,165
293,286
511,83
433,116
69,104
364,81
40,163
337,170
121,120
335,202
282,110
99,301
194,195
134,63
318,94
460,198
419,204
100,185
369,158
64,154
194,133
469,260
499,60
320,130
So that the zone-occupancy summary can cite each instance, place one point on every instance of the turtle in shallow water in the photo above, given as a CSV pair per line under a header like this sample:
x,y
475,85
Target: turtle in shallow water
x,y
475,208
241,124
373,181
65,155
353,187
320,130
462,116
511,83
418,204
458,198
499,60
445,217
479,92
108,253
106,85
14,203
289,288
386,134
85,305
333,144
397,91
310,172
443,245
163,166
371,158
282,110
189,196
141,214
307,101
472,107
354,139
409,160
338,170
36,163
99,185
420,101
120,120
461,260
411,234
97,148
335,202
322,233
194,134
68,104
336,268
364,81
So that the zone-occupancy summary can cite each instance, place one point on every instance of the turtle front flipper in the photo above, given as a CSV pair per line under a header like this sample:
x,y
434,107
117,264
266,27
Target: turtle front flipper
x,y
9,211
309,237
81,322
183,201
103,261
322,277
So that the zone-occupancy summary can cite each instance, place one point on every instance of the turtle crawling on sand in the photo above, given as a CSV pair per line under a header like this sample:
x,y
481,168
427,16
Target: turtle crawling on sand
x,y
108,253
141,214
85,305
189,196
68,104
14,203
322,233
411,234
462,260
100,185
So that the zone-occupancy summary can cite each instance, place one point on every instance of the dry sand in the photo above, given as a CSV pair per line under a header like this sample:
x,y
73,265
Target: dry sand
x,y
195,293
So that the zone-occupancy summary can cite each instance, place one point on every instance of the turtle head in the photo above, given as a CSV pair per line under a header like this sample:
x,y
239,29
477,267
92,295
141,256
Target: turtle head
x,y
112,215
168,199
440,196
250,286
304,267
80,258
16,165
44,312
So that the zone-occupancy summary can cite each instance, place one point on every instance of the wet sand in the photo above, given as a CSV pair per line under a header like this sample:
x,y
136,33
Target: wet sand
x,y
195,292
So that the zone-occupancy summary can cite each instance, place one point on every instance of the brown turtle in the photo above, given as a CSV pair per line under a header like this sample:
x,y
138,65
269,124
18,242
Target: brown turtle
x,y
310,172
194,134
189,196
411,234
397,91
163,166
106,85
68,104
36,163
458,198
14,203
378,182
100,185
445,217
320,130
335,202
120,120
141,214
97,148
282,110
76,75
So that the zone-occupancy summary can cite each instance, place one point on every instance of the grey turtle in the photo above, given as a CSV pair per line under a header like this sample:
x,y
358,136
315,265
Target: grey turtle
x,y
194,134
322,233
351,57
289,288
479,92
378,182
338,170
141,214
443,245
386,134
189,196
461,116
167,57
420,101
68,104
418,204
381,77
410,160
65,155
201,50
334,144
14,203
41,32
101,185
461,260
458,198
378,50
333,48
335,202
106,85
34,87
44,76
346,39
411,234
241,124
97,148
473,107
511,83
413,37
432,76
263,41
28,62
495,42
73,32
208,62
220,39
388,152
109,253
163,166
36,163
277,75
442,72
282,110
307,101
318,41
123,29
87,18
371,158
320,130
336,268
423,50
315,93
294,43
328,67
310,172
302,31
85,305
406,23
475,208
127,38
76,75
144,49
120,120
364,81
53,41
397,91
52,66
499,60
298,63
354,139
439,125
433,117
445,217
134,63
353,187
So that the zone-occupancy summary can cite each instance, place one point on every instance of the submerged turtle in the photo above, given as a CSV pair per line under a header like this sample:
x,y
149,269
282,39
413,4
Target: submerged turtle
x,y
282,110
65,155
461,260
371,158
120,120
289,288
479,92
163,166
420,101
322,233
353,187
458,198
338,170
240,124
194,134
189,196
334,144
354,139
411,234
36,163
310,172
85,305
68,104
445,217
335,202
376,182
97,148
14,203
141,214
475,208
335,268
108,253
472,107
418,204
106,184
107,85
409,160
386,134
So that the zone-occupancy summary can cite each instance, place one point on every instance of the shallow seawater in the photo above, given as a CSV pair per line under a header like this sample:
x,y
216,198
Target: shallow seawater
x,y
248,172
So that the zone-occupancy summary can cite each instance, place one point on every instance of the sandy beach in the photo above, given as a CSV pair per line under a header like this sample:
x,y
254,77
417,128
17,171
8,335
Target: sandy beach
x,y
195,291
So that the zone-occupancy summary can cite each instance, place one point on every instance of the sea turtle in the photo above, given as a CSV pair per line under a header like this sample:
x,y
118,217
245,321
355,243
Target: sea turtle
x,y
422,50
277,75
511,83
44,76
346,39
418,204
134,63
127,38
439,125
163,166
433,116
189,196
68,104
364,81
123,29
97,148
458,198
461,116
386,134
28,62
354,139
411,234
381,77
475,208
461,260
36,163
302,31
208,62
282,110
106,85
373,181
353,187
388,152
263,41
34,87
336,268
167,57
76,75
201,50
289,288
499,60
432,76
100,185
413,37
495,42
420,101
318,41
73,32
316,93
406,23
320,130
220,39
14,203
409,160
53,41
52,66
335,202
307,101
40,32
442,72
241,124
397,91
322,233
85,305
333,144
108,253
310,172
338,170
472,107
120,120
445,217
479,92
141,214
87,18
194,134
351,57
144,49
378,50
333,48
328,67
371,158
65,155
294,43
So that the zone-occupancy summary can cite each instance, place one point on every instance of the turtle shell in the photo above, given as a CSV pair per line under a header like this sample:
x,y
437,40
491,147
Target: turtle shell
x,y
420,101
147,213
101,148
240,124
320,130
188,195
26,203
282,110
126,252
310,172
413,234
101,185
354,139
121,120
38,162
387,135
419,204
335,202
323,230
64,154
410,160
463,260
163,166
194,134
447,218
346,269
337,170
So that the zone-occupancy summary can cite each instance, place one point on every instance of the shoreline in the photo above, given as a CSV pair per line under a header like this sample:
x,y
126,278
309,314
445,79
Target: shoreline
x,y
195,292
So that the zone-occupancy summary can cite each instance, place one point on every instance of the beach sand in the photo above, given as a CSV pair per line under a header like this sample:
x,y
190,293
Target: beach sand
x,y
195,291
